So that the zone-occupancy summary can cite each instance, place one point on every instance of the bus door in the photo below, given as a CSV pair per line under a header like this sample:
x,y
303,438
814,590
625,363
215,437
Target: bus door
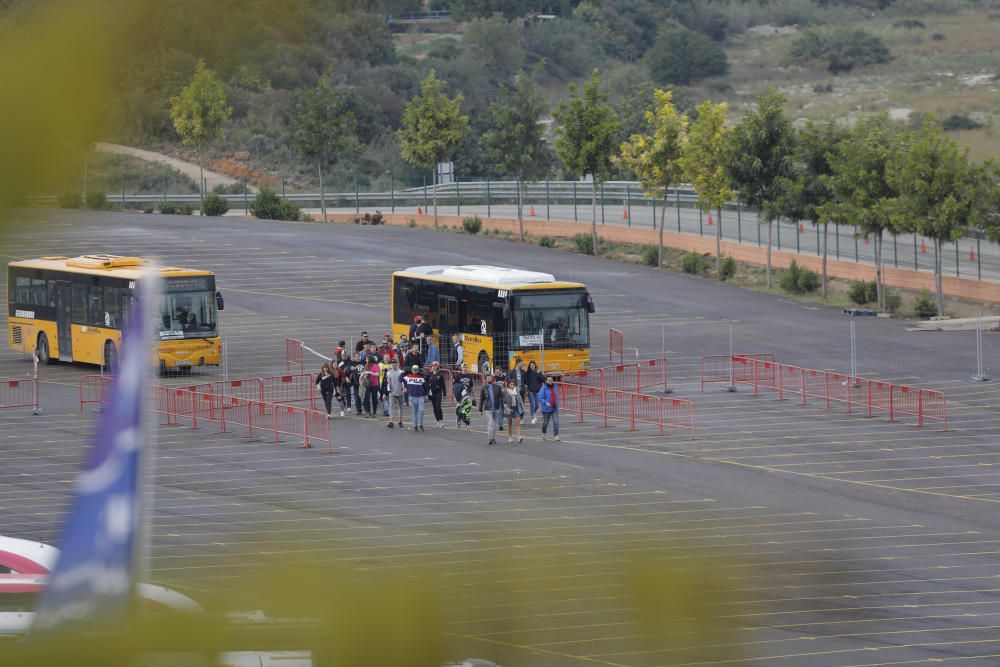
x,y
64,319
501,335
447,322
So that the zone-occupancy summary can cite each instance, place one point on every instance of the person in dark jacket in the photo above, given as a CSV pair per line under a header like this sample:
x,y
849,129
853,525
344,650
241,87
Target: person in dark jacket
x,y
437,391
413,357
362,343
533,381
353,371
491,402
462,383
501,379
325,384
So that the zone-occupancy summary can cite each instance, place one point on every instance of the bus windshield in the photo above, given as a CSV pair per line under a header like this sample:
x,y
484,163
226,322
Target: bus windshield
x,y
187,311
562,319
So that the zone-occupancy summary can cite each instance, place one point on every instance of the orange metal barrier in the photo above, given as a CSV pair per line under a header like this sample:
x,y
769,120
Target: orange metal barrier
x,y
20,394
635,408
95,389
859,393
723,368
632,377
293,355
615,341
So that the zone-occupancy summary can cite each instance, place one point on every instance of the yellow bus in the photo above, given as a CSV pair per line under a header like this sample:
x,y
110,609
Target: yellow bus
x,y
73,309
500,315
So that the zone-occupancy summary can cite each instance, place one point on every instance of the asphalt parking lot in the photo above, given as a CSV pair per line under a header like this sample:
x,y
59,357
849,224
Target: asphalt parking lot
x,y
849,541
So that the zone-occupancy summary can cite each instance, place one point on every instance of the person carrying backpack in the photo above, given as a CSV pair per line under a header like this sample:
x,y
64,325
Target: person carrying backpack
x,y
549,399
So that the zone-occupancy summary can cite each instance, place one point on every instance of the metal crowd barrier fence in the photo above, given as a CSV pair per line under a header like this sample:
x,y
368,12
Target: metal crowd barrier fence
x,y
198,408
632,377
293,355
725,368
855,392
635,408
19,394
95,389
615,341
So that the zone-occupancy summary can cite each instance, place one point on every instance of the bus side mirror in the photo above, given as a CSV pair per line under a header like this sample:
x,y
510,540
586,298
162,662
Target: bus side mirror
x,y
221,305
590,304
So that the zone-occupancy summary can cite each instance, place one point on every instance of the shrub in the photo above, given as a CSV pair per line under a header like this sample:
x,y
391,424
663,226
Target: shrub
x,y
584,244
727,268
472,225
167,208
680,56
694,263
214,205
650,255
892,301
924,305
909,24
70,199
862,292
960,122
546,241
937,37
797,280
148,209
267,205
96,201
841,49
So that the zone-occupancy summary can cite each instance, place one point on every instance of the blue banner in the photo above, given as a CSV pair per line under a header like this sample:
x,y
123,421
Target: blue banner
x,y
94,576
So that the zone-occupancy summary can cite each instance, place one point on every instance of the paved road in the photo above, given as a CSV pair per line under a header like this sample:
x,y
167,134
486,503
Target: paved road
x,y
852,541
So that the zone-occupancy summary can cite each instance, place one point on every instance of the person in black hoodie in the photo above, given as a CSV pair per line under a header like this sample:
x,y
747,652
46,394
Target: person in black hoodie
x,y
437,390
533,381
324,382
353,370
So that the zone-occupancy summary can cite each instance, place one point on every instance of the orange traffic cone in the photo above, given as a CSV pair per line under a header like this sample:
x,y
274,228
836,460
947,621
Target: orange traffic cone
x,y
710,219
802,228
420,210
923,248
972,255
625,214
532,213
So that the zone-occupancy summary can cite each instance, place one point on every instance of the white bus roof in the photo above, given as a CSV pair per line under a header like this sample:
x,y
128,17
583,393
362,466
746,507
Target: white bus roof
x,y
496,275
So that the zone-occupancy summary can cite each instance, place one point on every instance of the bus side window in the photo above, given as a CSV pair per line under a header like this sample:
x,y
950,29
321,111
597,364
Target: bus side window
x,y
39,292
22,290
95,309
80,304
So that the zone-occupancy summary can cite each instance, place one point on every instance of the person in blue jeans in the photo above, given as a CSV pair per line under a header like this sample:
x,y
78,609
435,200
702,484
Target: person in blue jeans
x,y
414,382
548,397
533,381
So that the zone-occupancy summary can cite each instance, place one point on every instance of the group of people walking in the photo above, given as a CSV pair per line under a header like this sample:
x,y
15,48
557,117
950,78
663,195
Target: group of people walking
x,y
393,377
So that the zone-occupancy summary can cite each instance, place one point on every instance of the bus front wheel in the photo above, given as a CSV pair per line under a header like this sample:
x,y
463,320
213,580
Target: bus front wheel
x,y
483,363
42,350
110,357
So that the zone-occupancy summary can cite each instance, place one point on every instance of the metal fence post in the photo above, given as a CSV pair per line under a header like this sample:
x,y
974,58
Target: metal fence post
x,y
628,204
856,248
677,203
836,227
818,252
489,207
777,223
458,197
357,198
283,186
392,191
548,203
798,241
895,253
424,179
915,264
979,260
123,194
246,196
654,211
758,232
575,218
739,224
958,263
701,219
602,202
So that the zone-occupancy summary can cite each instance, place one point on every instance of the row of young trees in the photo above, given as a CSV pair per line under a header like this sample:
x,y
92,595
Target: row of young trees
x,y
877,176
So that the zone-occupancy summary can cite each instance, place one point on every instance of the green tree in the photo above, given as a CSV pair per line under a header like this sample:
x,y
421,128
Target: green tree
x,y
200,114
680,56
655,158
323,127
758,160
861,190
586,137
704,164
940,195
808,192
516,143
433,125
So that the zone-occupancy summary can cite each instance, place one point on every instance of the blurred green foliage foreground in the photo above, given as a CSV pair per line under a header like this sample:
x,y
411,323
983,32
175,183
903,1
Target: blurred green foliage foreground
x,y
668,609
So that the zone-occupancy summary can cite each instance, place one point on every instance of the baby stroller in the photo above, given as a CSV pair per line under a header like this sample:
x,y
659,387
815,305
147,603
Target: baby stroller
x,y
463,411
